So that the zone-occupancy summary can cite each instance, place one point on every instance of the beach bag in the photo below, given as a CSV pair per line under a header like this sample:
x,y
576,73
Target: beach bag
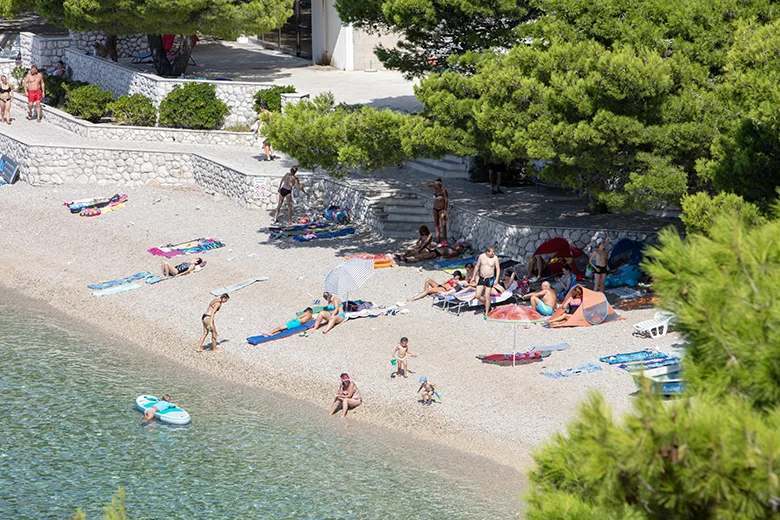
x,y
337,214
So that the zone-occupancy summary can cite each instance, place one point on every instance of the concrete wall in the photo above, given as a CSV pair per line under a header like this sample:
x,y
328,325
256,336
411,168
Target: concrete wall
x,y
124,80
364,45
329,36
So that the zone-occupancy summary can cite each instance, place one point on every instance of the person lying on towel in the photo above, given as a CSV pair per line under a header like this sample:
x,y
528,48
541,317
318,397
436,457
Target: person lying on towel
x,y
437,252
543,301
183,268
294,323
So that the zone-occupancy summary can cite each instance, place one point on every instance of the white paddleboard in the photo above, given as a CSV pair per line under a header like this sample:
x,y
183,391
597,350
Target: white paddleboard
x,y
239,285
172,415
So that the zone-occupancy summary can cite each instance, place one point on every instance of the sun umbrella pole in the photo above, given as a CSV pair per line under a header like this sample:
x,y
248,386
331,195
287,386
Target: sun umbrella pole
x,y
514,345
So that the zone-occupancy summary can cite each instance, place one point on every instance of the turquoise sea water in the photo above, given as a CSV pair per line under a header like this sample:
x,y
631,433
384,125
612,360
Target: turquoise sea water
x,y
70,437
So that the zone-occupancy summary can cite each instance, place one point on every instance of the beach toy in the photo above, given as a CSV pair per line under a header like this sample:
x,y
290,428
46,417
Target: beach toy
x,y
438,396
171,415
393,361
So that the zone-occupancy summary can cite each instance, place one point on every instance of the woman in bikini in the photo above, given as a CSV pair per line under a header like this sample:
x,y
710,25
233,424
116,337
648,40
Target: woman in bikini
x,y
347,398
432,287
573,304
6,98
420,249
286,186
168,269
441,203
333,314
208,322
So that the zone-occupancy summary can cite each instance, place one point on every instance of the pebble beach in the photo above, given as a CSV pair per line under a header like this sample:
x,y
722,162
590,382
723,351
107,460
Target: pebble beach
x,y
502,413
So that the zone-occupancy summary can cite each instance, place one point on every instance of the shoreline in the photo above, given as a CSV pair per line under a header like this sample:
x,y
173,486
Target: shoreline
x,y
499,413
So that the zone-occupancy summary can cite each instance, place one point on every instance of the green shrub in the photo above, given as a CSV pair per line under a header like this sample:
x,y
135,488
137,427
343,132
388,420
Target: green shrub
x,y
271,98
19,72
700,211
88,102
135,110
239,127
195,105
55,89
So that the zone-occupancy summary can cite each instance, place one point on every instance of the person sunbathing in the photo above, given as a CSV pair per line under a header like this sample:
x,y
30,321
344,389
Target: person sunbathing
x,y
570,308
431,287
333,314
168,269
437,252
507,282
420,248
294,323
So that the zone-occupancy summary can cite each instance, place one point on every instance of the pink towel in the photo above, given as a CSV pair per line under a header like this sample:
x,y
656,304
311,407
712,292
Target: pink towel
x,y
167,254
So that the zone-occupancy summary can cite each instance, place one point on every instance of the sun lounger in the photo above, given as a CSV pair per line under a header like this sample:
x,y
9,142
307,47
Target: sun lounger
x,y
467,302
656,327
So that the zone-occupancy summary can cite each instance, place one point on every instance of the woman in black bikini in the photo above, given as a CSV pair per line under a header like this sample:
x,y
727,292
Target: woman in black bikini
x,y
6,98
207,320
441,203
286,186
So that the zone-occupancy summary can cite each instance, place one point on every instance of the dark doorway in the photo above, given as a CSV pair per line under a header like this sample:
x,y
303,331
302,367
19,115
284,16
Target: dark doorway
x,y
295,35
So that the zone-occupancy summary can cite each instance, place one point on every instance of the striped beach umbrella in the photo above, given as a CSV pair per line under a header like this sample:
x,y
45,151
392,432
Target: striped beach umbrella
x,y
349,276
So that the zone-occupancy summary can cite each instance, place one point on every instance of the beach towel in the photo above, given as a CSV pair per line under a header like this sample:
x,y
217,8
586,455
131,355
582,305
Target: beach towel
x,y
573,371
201,245
239,285
256,340
518,356
649,364
371,313
120,281
157,279
458,263
117,289
329,234
625,293
629,357
324,229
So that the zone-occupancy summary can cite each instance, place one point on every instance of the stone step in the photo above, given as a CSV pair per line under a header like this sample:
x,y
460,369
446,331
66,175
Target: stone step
x,y
410,228
399,234
456,163
408,210
436,171
416,201
404,217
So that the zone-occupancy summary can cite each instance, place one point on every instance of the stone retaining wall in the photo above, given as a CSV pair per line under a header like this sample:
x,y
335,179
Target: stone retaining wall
x,y
6,67
145,134
239,95
518,242
126,46
46,51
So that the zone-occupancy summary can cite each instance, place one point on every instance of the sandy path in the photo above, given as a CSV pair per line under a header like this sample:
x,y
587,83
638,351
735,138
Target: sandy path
x,y
498,412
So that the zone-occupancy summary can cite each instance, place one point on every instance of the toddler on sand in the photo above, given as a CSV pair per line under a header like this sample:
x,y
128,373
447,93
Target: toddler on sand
x,y
428,391
401,354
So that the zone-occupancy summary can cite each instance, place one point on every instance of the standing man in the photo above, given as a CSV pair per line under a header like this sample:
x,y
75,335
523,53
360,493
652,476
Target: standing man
x,y
35,89
598,260
487,268
494,173
441,203
286,185
208,322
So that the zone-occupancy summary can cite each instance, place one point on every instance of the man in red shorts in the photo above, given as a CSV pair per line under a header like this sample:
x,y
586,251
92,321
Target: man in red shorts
x,y
34,87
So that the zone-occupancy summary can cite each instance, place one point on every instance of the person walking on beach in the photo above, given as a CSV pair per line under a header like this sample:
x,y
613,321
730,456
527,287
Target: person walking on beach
x,y
159,406
6,97
208,322
402,354
441,203
286,186
488,267
347,398
35,89
598,260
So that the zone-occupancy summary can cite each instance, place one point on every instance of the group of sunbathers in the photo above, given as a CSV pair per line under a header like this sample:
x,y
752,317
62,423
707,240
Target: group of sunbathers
x,y
426,249
329,317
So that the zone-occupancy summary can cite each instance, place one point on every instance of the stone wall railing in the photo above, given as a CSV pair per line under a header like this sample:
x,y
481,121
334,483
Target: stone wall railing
x,y
46,51
144,133
517,242
126,46
53,165
239,95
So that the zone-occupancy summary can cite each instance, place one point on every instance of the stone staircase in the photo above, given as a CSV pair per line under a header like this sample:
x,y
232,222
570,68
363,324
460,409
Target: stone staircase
x,y
401,214
448,167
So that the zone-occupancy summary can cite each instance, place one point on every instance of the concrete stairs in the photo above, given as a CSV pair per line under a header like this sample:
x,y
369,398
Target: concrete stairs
x,y
401,214
448,167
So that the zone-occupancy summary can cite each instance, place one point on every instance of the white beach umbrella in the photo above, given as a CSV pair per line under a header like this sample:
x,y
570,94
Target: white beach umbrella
x,y
349,276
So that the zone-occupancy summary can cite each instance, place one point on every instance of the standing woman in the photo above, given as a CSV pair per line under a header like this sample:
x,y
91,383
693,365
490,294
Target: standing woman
x,y
441,203
6,97
347,397
288,182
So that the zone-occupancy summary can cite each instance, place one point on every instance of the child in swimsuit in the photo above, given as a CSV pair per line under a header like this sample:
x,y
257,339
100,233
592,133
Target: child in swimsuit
x,y
294,323
401,353
428,390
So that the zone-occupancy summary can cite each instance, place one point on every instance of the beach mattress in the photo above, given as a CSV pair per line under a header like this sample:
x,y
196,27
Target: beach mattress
x,y
237,286
116,289
329,234
256,340
120,281
458,262
172,415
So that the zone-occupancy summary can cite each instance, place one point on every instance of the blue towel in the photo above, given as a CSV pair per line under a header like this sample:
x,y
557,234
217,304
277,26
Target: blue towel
x,y
573,371
647,365
329,234
121,281
641,355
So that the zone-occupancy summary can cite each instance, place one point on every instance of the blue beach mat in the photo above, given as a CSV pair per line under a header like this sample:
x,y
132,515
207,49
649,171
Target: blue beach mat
x,y
573,371
256,340
458,262
157,279
641,355
120,281
117,289
649,364
329,234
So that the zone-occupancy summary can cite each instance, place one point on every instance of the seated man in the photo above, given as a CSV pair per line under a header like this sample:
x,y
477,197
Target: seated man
x,y
543,301
294,323
431,287
571,306
59,72
183,268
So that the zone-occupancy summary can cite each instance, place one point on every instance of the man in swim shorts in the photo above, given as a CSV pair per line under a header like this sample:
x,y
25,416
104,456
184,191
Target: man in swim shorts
x,y
208,322
35,89
294,323
544,301
485,275
598,260
162,404
286,186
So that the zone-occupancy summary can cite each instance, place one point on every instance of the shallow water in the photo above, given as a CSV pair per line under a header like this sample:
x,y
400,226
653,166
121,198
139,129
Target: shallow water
x,y
70,437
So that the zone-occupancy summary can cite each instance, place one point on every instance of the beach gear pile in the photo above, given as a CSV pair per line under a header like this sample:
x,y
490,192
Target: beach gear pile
x,y
96,206
662,370
308,231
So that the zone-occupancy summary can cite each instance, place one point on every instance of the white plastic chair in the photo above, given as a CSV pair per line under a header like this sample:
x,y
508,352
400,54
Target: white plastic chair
x,y
658,326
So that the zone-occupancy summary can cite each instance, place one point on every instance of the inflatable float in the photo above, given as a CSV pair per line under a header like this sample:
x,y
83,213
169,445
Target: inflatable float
x,y
172,415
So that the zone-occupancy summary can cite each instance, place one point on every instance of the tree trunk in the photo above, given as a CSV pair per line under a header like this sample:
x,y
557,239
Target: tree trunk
x,y
111,41
162,64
